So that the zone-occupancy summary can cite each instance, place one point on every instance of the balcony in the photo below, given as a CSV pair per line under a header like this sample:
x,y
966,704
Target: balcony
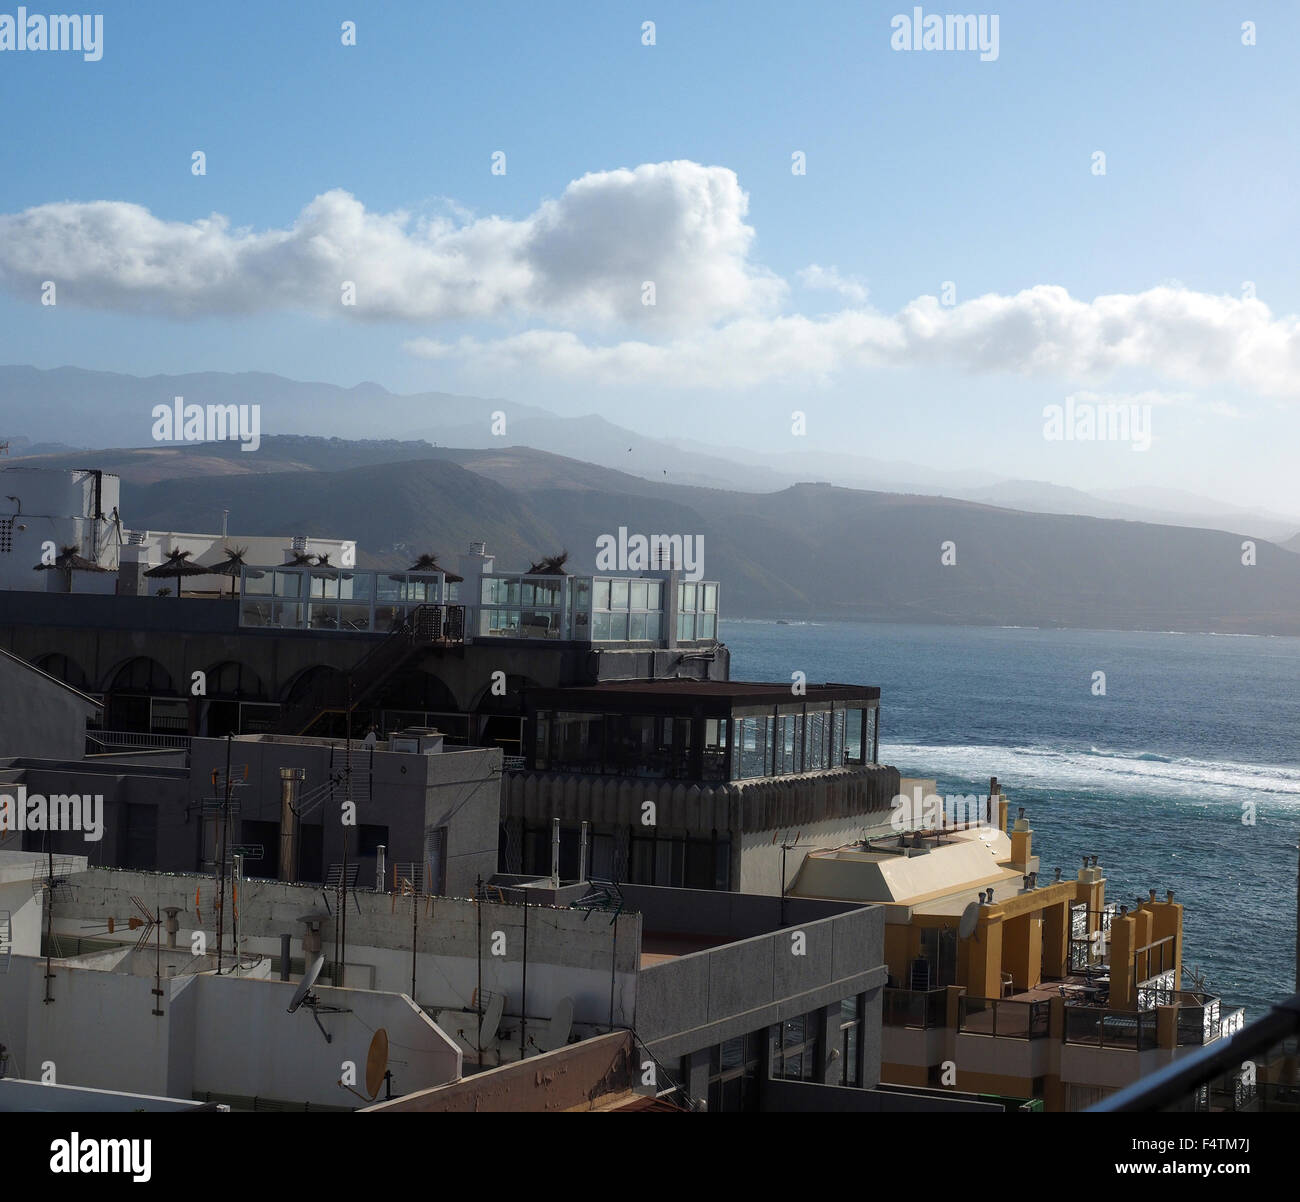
x,y
921,1009
1003,1018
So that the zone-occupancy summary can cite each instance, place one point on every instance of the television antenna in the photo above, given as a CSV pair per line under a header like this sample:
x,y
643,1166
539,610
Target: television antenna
x,y
52,887
409,880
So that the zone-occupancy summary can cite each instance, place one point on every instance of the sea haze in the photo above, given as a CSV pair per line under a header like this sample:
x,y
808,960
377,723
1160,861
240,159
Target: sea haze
x,y
1154,777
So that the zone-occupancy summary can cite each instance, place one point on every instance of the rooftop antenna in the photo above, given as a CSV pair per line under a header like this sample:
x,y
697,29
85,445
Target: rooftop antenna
x,y
50,888
409,881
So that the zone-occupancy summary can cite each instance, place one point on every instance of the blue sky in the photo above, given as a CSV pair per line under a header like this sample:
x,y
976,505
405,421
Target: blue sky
x,y
922,167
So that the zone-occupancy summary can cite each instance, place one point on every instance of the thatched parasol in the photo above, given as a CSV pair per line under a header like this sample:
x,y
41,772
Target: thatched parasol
x,y
551,565
233,565
70,560
177,566
429,563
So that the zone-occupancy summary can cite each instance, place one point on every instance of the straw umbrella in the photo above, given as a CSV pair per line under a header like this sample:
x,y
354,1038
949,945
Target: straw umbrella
x,y
177,566
70,560
551,565
429,563
233,565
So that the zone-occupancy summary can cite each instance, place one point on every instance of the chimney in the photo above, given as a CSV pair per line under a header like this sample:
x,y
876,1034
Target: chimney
x,y
290,783
172,925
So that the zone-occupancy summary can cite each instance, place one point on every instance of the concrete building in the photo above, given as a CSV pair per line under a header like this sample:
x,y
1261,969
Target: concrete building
x,y
701,784
40,715
42,509
423,802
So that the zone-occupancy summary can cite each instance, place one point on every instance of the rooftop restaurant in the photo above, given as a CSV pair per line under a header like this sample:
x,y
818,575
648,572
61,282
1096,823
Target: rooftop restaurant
x,y
505,605
701,730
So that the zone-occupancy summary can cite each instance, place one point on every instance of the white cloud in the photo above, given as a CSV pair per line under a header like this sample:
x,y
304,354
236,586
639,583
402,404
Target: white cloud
x,y
581,258
1190,337
828,279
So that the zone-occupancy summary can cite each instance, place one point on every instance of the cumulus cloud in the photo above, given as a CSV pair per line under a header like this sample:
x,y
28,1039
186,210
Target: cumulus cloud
x,y
1190,337
583,257
828,279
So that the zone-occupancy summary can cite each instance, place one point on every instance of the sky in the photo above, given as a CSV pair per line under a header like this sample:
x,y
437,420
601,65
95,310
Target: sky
x,y
918,251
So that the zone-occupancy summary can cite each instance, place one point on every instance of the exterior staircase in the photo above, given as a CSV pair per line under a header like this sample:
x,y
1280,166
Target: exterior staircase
x,y
427,626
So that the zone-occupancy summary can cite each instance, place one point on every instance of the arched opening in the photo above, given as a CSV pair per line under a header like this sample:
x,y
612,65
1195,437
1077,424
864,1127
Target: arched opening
x,y
234,702
414,697
62,668
141,697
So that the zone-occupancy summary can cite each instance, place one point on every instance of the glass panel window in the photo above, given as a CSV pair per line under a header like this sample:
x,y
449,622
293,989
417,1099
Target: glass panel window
x,y
686,627
618,594
636,630
637,594
600,625
687,597
654,594
707,625
710,598
618,626
600,598
653,622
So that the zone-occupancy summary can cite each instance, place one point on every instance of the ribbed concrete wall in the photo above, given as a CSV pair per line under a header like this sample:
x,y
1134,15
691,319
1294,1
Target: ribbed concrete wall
x,y
735,806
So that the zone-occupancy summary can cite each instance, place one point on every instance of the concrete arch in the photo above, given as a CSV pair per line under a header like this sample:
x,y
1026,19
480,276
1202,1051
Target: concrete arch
x,y
139,674
228,678
64,668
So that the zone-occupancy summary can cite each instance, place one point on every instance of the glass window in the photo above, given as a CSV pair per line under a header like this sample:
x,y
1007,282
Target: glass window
x,y
654,594
636,631
637,594
618,594
707,625
582,594
686,597
600,625
685,627
653,621
600,599
618,626
710,598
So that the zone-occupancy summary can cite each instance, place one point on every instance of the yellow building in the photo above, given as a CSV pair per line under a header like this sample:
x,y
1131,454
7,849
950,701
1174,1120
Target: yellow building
x,y
1003,983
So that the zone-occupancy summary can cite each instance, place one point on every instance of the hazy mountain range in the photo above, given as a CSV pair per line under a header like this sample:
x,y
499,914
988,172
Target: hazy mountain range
x,y
40,410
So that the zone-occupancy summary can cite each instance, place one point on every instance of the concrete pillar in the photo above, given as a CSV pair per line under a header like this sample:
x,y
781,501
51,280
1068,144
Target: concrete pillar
x,y
1056,940
984,979
1022,951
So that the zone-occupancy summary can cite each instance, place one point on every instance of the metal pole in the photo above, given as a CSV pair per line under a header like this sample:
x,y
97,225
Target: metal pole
x,y
221,869
478,997
343,879
523,995
613,970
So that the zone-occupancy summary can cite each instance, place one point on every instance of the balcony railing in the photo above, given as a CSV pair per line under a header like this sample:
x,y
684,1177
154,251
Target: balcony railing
x,y
915,1008
1003,1018
1103,1027
1257,1069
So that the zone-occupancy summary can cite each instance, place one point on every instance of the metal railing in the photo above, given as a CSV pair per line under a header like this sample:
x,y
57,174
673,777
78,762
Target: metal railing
x,y
1103,1027
1003,1018
98,742
915,1008
1256,1069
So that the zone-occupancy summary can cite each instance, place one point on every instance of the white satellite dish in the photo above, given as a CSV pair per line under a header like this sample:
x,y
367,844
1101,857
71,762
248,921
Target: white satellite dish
x,y
556,1034
970,917
308,980
491,1019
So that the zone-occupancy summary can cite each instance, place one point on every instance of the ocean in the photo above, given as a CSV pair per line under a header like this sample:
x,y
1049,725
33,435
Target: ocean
x,y
1184,775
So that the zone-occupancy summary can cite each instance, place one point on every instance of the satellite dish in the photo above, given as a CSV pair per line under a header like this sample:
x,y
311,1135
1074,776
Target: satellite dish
x,y
491,1019
557,1031
376,1062
308,980
970,917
